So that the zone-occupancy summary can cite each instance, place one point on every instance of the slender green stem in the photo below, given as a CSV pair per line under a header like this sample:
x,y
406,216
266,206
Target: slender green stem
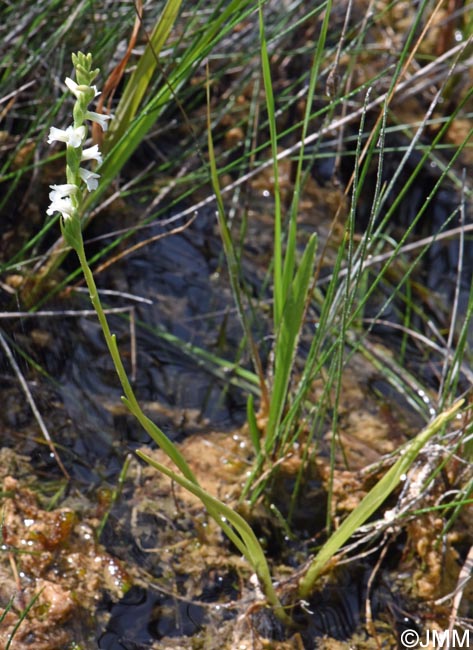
x,y
109,337
130,399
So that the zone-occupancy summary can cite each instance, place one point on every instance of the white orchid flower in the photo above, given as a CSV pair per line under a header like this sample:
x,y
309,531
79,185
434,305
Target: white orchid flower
x,y
78,90
99,118
62,204
92,153
71,136
61,191
89,178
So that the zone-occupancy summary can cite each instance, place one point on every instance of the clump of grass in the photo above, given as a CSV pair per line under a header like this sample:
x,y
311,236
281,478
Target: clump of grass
x,y
338,336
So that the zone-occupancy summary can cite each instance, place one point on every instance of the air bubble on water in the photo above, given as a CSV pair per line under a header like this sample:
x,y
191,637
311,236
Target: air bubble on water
x,y
426,399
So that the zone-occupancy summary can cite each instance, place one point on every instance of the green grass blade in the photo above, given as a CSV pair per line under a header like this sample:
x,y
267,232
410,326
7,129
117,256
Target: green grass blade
x,y
252,424
142,76
233,263
160,438
374,499
129,134
290,254
287,340
278,289
22,617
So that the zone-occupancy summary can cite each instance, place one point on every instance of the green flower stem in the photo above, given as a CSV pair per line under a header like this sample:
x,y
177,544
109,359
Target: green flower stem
x,y
129,400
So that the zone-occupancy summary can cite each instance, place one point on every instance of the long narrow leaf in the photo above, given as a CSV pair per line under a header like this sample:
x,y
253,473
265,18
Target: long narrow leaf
x,y
143,74
374,499
277,269
287,339
233,264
